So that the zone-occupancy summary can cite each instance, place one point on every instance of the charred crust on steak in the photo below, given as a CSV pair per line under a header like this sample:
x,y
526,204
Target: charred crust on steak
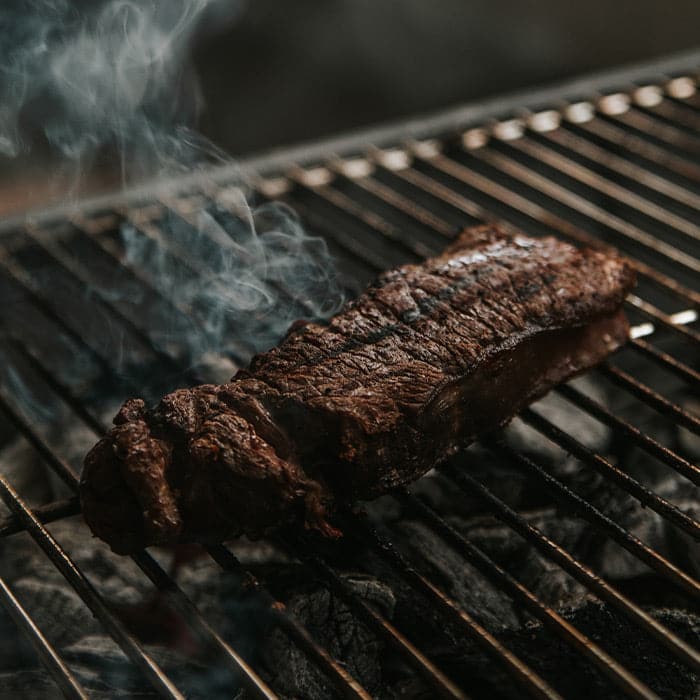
x,y
428,358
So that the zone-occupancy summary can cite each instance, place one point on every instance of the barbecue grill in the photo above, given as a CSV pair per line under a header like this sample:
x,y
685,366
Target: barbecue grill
x,y
612,160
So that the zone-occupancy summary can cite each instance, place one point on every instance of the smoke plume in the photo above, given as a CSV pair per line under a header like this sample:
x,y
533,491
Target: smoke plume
x,y
111,83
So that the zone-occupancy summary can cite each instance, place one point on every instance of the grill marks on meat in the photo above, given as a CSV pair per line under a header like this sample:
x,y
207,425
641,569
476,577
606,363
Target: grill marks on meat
x,y
429,357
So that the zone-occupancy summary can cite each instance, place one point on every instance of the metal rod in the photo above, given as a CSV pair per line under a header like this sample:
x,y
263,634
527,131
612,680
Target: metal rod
x,y
531,682
664,319
648,444
369,257
574,568
68,265
622,166
678,112
598,519
604,185
644,495
62,469
137,273
420,663
180,602
151,670
618,137
667,361
59,387
657,129
52,662
30,288
605,663
374,221
57,510
651,397
394,199
343,682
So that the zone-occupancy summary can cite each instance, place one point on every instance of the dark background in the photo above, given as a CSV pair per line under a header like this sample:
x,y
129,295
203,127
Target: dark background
x,y
290,71
274,72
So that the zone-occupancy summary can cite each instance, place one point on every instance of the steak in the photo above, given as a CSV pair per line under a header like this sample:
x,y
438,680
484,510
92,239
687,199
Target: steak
x,y
429,357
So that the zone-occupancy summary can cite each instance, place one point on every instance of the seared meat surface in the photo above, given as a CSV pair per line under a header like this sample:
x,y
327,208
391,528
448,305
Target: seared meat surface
x,y
428,358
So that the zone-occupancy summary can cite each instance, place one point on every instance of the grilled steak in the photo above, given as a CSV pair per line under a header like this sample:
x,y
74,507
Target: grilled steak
x,y
428,358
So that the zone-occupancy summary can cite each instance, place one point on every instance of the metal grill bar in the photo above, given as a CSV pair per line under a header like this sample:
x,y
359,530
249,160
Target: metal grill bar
x,y
605,663
653,126
84,589
573,567
622,166
382,627
688,374
57,510
60,673
531,682
644,495
64,262
25,283
346,685
677,112
651,397
663,319
664,454
606,186
595,517
637,145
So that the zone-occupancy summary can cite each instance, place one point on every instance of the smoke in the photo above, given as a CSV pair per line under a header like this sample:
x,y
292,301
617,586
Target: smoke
x,y
110,83
112,74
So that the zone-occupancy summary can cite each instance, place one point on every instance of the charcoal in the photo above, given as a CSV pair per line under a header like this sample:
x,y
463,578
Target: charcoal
x,y
457,578
640,653
332,624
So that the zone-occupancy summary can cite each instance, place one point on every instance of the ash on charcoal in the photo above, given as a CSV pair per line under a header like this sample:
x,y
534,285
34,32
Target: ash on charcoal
x,y
335,627
636,650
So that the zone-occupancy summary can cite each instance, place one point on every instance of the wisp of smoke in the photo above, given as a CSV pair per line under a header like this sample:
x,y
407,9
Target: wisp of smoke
x,y
113,79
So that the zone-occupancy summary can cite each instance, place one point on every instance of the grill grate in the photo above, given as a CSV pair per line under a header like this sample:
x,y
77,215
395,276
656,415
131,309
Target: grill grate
x,y
620,170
